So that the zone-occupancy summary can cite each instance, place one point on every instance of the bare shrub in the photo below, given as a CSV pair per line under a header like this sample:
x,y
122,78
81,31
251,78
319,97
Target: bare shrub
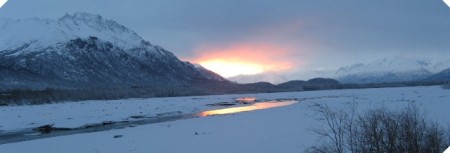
x,y
379,131
447,86
339,124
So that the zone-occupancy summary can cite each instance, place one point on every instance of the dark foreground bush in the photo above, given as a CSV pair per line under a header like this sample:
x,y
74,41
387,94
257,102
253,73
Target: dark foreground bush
x,y
379,131
447,86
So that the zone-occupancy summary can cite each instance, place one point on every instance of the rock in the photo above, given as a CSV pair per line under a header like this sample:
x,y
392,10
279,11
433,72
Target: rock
x,y
222,104
45,128
137,116
107,122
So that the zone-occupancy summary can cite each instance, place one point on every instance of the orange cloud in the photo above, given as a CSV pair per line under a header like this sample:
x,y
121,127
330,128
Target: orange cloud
x,y
245,59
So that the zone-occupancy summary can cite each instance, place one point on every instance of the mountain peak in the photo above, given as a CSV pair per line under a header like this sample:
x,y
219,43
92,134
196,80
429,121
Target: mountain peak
x,y
83,15
84,49
79,15
93,20
39,33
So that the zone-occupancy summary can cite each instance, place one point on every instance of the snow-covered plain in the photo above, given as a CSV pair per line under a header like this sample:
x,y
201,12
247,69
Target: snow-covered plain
x,y
283,129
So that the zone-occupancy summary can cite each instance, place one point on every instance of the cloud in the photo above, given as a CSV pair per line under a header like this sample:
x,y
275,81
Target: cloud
x,y
273,48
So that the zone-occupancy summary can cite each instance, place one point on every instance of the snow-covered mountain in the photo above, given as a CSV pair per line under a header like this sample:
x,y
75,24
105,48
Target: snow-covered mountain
x,y
390,69
271,77
41,33
86,49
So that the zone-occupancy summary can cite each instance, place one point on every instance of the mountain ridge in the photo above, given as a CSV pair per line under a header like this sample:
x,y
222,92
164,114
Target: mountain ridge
x,y
391,69
87,50
444,75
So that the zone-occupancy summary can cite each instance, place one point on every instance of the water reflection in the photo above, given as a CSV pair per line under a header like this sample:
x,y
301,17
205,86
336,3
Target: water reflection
x,y
256,106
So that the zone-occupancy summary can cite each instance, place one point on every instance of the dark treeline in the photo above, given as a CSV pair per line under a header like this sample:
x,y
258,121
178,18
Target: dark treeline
x,y
52,95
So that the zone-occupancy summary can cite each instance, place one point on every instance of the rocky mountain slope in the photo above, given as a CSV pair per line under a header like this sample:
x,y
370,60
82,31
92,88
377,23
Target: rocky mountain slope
x,y
441,76
83,49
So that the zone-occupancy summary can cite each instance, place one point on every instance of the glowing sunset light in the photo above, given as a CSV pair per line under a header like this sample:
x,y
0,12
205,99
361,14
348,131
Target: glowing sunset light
x,y
244,59
230,69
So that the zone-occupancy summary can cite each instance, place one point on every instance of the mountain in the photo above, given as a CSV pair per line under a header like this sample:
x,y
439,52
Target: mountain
x,y
271,77
82,50
322,81
312,84
292,84
441,76
392,69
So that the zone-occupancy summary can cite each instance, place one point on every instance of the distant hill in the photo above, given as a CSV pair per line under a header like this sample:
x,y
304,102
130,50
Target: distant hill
x,y
441,76
262,77
312,84
293,84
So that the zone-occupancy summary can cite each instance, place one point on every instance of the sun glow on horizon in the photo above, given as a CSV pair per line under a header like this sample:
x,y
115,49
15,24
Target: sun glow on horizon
x,y
245,59
230,69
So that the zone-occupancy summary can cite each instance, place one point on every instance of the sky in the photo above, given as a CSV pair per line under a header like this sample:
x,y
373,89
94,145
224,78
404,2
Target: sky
x,y
291,37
